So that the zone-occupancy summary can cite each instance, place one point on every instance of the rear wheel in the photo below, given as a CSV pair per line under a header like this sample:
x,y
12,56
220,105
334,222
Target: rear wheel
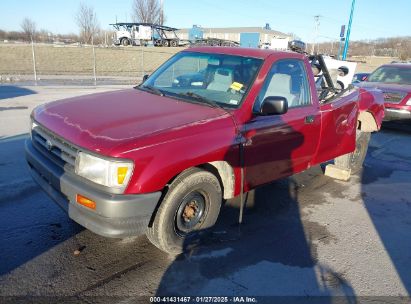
x,y
355,160
174,43
191,204
166,43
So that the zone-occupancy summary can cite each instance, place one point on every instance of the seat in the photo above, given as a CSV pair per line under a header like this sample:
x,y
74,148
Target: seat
x,y
223,78
280,85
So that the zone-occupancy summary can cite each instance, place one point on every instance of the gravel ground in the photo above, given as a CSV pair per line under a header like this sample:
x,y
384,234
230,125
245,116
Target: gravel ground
x,y
305,238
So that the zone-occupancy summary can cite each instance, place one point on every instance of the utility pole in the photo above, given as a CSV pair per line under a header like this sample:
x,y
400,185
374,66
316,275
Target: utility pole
x,y
316,32
347,39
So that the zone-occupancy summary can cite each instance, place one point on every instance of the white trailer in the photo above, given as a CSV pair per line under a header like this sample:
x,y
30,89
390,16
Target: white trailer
x,y
279,44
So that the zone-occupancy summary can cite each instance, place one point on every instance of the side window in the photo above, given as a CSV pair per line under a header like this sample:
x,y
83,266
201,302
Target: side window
x,y
287,78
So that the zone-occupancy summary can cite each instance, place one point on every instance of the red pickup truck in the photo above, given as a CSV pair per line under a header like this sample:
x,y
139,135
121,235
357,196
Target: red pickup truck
x,y
208,125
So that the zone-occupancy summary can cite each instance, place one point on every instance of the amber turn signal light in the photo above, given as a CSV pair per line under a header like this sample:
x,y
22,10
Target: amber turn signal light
x,y
121,174
82,200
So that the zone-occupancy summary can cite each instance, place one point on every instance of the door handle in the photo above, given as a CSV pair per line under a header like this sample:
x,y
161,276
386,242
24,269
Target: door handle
x,y
309,119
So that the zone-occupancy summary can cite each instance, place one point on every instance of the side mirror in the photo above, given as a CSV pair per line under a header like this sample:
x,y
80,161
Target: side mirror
x,y
274,105
145,77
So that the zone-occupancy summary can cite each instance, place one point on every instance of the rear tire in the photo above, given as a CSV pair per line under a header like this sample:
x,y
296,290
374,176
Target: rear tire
x,y
166,43
174,43
355,160
191,204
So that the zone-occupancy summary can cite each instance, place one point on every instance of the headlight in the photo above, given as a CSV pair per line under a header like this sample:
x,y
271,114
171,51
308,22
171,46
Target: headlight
x,y
33,125
111,173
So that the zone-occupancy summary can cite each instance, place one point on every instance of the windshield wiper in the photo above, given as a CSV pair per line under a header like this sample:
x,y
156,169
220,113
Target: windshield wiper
x,y
151,89
203,99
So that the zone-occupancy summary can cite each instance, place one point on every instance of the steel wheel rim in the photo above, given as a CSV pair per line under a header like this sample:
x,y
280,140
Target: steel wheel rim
x,y
190,212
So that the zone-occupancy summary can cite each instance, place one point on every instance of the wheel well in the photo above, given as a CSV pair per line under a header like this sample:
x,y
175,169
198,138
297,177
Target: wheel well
x,y
366,122
225,173
221,169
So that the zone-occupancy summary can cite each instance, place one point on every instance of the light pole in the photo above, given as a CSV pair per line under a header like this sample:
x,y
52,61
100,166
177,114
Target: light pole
x,y
316,31
347,39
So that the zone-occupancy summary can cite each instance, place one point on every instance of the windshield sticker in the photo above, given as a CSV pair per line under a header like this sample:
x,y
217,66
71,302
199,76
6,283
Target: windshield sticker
x,y
234,102
236,86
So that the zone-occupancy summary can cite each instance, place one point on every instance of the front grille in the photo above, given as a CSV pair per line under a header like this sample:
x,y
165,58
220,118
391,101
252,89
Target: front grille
x,y
56,148
393,97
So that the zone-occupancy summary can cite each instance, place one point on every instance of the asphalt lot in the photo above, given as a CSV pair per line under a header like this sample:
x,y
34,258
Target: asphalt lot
x,y
17,102
305,236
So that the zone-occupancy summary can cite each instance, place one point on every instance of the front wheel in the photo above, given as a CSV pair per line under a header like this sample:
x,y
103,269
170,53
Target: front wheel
x,y
191,204
125,42
355,160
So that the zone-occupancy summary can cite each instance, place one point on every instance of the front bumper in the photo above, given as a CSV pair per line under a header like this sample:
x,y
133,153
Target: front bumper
x,y
116,215
396,114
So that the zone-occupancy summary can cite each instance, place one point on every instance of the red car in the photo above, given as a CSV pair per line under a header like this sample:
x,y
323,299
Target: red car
x,y
395,82
209,124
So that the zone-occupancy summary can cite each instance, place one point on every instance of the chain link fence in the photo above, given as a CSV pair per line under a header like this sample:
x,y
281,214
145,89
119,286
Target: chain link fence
x,y
79,64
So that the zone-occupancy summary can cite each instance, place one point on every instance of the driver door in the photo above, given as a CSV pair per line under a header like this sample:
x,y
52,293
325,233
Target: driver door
x,y
281,145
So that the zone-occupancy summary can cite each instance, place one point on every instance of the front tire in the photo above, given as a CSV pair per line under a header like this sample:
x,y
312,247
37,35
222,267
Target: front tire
x,y
191,204
125,42
355,160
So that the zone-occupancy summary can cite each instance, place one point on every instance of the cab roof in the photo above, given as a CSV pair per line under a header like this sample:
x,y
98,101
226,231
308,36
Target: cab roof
x,y
239,51
403,65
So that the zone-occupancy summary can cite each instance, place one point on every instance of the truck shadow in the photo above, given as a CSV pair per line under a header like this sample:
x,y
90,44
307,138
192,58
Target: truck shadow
x,y
11,91
30,224
273,253
385,181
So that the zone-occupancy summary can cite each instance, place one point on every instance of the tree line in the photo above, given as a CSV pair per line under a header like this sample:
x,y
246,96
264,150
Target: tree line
x,y
399,47
90,31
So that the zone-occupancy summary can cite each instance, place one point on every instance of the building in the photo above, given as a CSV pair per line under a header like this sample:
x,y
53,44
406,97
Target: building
x,y
237,34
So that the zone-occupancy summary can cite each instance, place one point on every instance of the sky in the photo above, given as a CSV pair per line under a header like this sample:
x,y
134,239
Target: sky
x,y
372,19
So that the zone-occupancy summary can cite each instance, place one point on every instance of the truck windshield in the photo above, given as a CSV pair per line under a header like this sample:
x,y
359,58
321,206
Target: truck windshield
x,y
205,78
391,74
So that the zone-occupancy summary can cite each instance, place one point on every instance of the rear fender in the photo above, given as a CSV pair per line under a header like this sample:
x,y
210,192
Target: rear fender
x,y
371,109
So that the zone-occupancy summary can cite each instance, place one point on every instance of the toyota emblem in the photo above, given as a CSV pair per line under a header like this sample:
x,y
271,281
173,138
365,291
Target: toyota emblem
x,y
49,145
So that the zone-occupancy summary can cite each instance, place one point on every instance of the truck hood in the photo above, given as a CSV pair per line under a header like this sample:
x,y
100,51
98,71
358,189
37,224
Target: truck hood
x,y
101,122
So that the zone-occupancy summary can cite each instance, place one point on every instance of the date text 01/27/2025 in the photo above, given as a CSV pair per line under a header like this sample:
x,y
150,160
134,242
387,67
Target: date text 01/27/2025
x,y
203,299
